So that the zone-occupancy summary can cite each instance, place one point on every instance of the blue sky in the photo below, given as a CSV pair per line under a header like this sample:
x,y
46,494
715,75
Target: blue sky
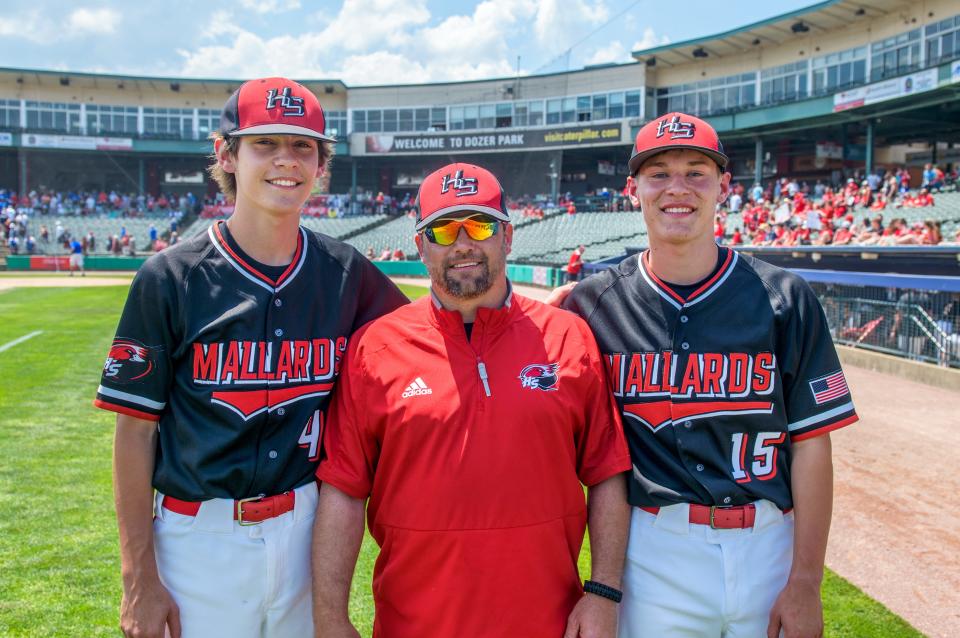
x,y
361,42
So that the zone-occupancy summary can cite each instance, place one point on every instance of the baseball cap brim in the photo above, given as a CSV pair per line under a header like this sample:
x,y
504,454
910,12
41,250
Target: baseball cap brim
x,y
637,160
450,210
282,129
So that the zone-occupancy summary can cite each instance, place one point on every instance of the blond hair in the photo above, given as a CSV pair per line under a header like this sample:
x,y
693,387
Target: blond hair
x,y
228,181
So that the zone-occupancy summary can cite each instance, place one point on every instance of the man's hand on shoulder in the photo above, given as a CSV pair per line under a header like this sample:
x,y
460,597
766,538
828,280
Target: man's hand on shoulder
x,y
147,609
592,617
558,294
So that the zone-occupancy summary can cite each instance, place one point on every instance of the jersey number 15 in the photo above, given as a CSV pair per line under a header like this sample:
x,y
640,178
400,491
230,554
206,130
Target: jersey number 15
x,y
764,465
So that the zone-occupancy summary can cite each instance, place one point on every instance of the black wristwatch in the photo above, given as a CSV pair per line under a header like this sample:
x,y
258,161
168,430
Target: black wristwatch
x,y
604,591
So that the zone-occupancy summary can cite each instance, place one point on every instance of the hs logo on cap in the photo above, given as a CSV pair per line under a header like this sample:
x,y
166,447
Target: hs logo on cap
x,y
290,104
463,185
676,128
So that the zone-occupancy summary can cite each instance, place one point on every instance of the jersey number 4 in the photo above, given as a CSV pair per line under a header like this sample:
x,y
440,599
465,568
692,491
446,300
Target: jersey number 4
x,y
312,435
764,465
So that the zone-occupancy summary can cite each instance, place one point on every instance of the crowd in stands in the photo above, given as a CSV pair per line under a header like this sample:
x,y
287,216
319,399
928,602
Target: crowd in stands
x,y
26,220
791,213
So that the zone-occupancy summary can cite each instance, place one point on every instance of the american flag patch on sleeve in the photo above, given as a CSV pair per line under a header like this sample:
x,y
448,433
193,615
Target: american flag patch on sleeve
x,y
829,387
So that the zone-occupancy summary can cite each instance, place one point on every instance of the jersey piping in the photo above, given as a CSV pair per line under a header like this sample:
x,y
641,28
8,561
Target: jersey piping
x,y
698,295
251,273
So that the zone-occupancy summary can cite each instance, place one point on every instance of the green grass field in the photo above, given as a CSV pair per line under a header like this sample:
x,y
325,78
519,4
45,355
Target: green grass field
x,y
59,566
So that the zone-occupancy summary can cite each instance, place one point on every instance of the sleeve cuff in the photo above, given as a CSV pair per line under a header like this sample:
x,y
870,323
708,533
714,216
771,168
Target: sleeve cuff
x,y
122,409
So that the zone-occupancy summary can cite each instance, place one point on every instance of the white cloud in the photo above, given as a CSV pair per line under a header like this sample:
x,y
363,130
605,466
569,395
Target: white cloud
x,y
613,52
363,25
650,40
249,55
270,6
83,21
559,25
30,26
393,42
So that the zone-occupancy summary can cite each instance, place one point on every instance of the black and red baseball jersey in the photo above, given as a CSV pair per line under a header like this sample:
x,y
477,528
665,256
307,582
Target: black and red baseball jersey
x,y
715,385
237,363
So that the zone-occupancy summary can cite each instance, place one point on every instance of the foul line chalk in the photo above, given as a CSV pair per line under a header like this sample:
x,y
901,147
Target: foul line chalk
x,y
9,345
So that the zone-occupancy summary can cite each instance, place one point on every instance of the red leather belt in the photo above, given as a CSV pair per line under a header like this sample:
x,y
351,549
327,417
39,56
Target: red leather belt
x,y
736,517
246,511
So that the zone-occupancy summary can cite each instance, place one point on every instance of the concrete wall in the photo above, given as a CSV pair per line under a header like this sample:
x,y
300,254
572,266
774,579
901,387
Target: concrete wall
x,y
929,374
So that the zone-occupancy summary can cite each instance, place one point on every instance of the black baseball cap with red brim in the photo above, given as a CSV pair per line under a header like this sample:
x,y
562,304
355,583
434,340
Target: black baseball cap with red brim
x,y
673,131
273,106
458,189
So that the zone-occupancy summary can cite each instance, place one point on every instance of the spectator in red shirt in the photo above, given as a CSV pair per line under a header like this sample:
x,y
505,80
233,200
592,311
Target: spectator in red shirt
x,y
571,208
737,239
843,236
575,263
825,237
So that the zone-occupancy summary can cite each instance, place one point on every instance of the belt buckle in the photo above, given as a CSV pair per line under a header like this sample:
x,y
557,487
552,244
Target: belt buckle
x,y
713,510
239,505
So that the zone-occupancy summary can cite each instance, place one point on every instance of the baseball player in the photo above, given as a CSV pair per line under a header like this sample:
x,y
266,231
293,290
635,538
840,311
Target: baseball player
x,y
226,352
728,383
76,257
469,419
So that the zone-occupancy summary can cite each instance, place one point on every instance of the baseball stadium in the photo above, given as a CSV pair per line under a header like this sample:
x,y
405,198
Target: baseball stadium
x,y
841,121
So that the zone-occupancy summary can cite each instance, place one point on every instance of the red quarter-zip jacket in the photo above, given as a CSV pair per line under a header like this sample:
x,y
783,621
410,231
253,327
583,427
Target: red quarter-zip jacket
x,y
472,454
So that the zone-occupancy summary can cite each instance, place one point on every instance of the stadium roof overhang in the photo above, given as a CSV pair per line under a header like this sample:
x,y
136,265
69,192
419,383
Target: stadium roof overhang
x,y
925,117
137,84
823,17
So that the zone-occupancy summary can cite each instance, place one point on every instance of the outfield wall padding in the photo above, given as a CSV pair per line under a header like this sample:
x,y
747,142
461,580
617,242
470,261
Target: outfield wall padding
x,y
536,275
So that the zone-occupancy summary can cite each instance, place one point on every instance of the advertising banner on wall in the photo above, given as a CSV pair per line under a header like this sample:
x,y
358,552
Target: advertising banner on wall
x,y
6,139
489,141
78,143
886,90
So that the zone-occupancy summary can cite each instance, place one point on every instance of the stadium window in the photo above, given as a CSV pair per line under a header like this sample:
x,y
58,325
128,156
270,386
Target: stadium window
x,y
488,116
553,111
583,108
895,56
359,121
783,83
943,40
837,71
374,121
632,104
389,120
520,114
568,110
438,118
421,119
504,115
615,108
336,123
535,113
9,114
405,120
50,116
599,107
456,118
471,116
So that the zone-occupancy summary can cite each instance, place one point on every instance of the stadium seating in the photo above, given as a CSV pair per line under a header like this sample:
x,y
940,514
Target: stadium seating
x,y
552,240
102,228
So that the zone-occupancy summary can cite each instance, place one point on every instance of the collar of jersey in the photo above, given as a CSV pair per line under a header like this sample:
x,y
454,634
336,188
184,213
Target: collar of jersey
x,y
247,270
676,300
487,319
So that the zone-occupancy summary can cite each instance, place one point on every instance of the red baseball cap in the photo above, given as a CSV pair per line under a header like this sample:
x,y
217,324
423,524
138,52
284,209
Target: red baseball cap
x,y
273,106
676,130
459,188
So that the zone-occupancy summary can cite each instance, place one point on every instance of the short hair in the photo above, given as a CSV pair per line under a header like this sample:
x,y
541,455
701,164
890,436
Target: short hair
x,y
228,181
